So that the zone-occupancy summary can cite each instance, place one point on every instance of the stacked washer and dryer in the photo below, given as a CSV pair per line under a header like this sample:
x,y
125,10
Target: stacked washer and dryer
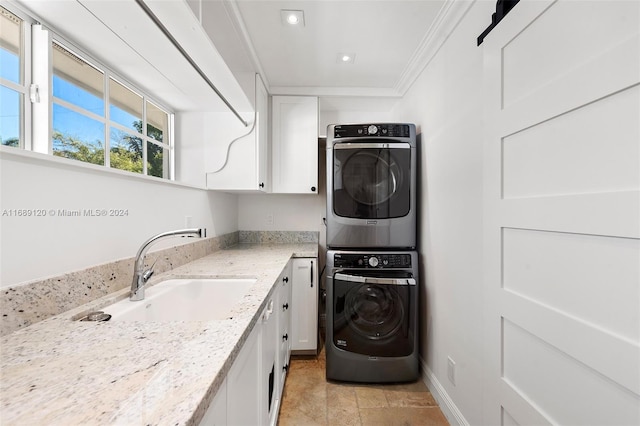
x,y
372,263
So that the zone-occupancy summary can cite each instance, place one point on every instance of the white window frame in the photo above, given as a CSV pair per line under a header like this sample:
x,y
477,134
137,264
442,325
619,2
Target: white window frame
x,y
24,132
37,89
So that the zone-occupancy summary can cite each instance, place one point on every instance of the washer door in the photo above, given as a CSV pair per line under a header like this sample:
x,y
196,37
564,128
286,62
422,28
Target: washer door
x,y
372,314
374,311
371,180
370,177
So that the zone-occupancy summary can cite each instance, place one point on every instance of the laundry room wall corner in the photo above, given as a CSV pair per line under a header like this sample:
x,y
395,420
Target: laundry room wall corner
x,y
445,103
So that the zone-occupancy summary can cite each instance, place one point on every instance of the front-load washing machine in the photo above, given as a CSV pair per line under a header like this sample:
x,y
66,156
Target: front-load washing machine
x,y
372,316
371,186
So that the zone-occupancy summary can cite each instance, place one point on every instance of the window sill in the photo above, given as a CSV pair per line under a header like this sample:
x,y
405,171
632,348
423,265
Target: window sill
x,y
65,163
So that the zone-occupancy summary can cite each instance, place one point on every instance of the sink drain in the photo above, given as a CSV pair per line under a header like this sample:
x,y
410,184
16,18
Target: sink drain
x,y
96,316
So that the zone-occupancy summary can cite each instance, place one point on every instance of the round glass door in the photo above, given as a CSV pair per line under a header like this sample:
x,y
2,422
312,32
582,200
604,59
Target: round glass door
x,y
370,178
374,311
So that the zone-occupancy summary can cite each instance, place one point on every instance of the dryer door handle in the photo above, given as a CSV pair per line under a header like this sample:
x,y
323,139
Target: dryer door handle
x,y
374,280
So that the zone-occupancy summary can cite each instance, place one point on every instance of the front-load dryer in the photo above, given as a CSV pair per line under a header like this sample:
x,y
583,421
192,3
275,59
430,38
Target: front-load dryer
x,y
371,186
372,316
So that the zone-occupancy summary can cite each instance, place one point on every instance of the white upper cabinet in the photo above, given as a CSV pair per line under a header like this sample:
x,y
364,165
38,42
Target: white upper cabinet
x,y
247,161
142,54
295,144
262,134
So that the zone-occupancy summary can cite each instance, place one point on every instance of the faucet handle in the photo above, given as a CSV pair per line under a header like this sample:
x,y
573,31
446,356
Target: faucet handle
x,y
147,274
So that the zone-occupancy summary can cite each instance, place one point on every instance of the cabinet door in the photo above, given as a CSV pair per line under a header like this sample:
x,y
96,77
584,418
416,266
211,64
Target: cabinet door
x,y
216,414
262,135
269,375
284,323
295,144
304,312
244,394
247,157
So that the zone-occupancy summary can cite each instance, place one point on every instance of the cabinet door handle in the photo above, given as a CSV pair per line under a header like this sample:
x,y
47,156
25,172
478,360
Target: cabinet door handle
x,y
313,189
285,279
261,185
286,367
285,306
312,274
285,337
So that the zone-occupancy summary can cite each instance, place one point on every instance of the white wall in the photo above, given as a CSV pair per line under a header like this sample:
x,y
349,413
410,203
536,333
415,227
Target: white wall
x,y
494,378
39,247
445,103
353,110
280,212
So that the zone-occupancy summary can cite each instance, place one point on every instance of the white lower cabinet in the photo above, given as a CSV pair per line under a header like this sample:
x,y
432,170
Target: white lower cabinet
x,y
284,324
304,301
244,392
216,414
269,376
252,390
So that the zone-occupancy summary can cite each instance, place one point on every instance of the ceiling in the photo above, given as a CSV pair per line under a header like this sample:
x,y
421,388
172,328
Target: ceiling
x,y
392,41
386,37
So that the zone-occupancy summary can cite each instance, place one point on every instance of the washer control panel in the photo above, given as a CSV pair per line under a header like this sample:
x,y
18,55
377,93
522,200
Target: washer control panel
x,y
355,130
387,260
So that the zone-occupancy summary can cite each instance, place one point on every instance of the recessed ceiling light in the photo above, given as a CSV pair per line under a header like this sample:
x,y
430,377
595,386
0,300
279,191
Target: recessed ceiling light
x,y
346,58
292,18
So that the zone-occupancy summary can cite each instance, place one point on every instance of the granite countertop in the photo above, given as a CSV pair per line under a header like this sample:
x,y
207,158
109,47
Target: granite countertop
x,y
66,372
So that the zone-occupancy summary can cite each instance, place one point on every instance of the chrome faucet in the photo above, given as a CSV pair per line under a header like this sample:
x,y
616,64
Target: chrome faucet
x,y
140,275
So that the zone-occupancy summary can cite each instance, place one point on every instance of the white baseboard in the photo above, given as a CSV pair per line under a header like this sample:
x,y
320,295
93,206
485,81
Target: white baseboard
x,y
448,407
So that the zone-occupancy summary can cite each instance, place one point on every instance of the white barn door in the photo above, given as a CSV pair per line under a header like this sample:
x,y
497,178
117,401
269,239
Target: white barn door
x,y
562,214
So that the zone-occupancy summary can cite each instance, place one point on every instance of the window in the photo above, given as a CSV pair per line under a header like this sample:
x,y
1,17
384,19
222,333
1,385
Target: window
x,y
98,119
13,85
78,108
92,115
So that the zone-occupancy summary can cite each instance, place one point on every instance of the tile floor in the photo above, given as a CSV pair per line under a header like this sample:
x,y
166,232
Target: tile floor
x,y
308,399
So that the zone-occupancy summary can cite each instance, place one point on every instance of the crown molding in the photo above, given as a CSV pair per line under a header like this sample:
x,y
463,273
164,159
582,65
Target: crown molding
x,y
443,25
366,92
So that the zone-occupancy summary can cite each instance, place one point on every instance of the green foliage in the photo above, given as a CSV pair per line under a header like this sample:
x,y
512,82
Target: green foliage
x,y
155,161
124,154
11,142
69,147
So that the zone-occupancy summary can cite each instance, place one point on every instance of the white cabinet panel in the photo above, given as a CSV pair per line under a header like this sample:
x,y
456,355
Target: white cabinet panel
x,y
284,323
216,414
295,144
247,160
255,381
252,391
262,134
243,392
269,374
304,312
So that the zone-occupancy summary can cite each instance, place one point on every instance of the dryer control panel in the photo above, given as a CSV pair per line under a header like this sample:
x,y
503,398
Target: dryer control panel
x,y
387,260
355,130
